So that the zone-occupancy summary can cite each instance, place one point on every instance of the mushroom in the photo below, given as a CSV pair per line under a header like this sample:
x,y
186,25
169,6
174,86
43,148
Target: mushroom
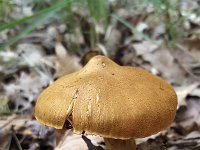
x,y
118,103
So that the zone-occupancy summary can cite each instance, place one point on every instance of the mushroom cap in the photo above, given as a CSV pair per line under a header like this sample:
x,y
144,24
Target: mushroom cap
x,y
109,100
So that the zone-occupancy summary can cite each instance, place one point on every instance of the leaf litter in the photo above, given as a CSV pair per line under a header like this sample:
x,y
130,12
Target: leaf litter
x,y
46,54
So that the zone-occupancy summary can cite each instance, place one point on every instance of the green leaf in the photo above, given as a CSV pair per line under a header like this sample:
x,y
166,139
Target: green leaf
x,y
25,31
36,19
5,8
98,9
157,4
55,7
132,28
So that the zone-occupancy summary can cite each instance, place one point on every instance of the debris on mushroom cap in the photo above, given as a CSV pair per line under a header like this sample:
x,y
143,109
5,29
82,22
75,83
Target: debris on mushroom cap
x,y
109,100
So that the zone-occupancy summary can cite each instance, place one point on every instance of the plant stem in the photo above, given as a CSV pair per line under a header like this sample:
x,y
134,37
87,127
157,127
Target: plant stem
x,y
118,144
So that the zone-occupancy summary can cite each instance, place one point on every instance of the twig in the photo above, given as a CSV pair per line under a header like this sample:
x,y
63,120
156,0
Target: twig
x,y
16,139
183,144
13,117
190,142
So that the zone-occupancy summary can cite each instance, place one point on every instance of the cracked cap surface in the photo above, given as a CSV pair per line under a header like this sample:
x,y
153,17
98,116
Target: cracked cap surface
x,y
109,100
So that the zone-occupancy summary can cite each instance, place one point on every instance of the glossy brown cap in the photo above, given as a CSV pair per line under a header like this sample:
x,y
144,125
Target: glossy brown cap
x,y
109,100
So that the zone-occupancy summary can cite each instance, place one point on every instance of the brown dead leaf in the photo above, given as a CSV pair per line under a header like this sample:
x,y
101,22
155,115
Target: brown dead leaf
x,y
164,62
70,140
5,140
8,124
113,38
75,38
190,62
13,121
66,63
23,91
187,116
196,92
183,91
145,47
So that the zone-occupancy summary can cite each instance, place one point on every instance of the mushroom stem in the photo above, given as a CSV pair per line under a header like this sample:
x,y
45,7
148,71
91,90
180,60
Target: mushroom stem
x,y
117,144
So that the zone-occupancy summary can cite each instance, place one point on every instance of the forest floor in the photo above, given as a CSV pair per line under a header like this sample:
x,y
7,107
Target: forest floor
x,y
50,51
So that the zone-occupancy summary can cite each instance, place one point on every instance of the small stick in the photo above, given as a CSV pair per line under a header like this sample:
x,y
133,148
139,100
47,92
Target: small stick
x,y
16,139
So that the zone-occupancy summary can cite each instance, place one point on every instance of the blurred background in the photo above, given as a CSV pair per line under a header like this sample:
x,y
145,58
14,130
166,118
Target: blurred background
x,y
41,40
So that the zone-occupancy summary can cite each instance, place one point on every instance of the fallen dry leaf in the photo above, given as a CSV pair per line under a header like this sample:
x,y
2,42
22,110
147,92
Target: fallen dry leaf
x,y
183,91
190,63
113,38
66,63
77,142
188,115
